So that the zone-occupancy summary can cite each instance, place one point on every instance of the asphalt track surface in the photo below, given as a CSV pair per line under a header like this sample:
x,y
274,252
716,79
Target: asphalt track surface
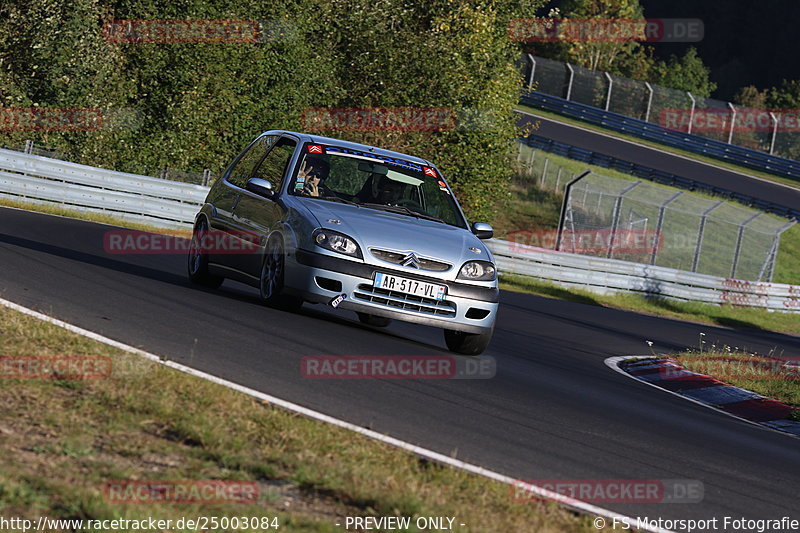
x,y
553,410
651,157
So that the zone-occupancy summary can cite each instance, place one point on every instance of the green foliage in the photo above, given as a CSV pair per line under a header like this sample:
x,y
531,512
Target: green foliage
x,y
195,105
687,73
787,96
599,55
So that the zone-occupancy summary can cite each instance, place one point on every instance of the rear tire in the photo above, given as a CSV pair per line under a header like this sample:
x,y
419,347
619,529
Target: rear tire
x,y
198,260
372,320
467,343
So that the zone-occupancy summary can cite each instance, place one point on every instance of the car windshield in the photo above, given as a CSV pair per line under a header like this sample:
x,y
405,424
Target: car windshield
x,y
337,174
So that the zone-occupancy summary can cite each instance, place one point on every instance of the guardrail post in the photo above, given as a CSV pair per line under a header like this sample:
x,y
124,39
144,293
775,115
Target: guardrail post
x,y
562,217
610,85
733,119
691,112
615,216
28,147
571,78
738,249
660,224
649,102
533,70
774,132
700,232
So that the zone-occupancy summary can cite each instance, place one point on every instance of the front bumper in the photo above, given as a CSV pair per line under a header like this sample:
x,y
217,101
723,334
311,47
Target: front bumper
x,y
316,278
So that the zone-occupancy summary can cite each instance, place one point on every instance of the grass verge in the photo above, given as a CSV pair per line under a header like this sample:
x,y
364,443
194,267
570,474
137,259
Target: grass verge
x,y
720,315
62,440
702,159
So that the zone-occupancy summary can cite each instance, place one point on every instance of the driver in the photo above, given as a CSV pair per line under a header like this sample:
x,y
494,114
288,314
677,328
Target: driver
x,y
313,172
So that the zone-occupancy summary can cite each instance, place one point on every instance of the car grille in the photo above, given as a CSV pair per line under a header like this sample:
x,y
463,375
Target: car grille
x,y
397,258
400,300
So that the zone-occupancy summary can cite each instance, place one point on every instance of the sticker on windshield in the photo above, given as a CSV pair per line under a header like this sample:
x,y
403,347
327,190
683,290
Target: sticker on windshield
x,y
314,149
429,171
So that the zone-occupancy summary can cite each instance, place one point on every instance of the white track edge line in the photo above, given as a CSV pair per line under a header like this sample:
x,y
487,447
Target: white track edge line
x,y
417,450
612,362
765,180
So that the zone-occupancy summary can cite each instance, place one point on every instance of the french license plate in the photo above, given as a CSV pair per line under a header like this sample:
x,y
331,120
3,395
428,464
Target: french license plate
x,y
409,286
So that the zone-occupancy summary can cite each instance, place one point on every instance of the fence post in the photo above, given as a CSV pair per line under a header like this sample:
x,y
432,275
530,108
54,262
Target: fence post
x,y
206,176
563,216
691,113
28,147
738,248
774,132
649,102
700,231
533,70
544,173
571,78
610,85
615,216
733,119
660,224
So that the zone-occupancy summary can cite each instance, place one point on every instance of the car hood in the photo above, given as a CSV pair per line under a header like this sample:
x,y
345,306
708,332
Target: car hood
x,y
373,228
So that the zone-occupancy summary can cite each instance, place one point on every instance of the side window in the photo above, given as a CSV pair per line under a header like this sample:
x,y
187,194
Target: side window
x,y
243,169
273,167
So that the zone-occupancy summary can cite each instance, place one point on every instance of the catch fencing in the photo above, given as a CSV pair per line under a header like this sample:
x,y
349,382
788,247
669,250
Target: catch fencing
x,y
687,117
144,199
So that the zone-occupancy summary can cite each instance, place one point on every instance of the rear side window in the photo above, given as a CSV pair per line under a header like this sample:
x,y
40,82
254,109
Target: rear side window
x,y
244,167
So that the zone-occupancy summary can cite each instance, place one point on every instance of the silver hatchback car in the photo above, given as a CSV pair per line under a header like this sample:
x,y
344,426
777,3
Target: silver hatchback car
x,y
356,227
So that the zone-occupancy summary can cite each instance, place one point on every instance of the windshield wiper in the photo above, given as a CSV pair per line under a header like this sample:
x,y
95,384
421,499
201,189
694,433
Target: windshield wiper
x,y
337,199
405,211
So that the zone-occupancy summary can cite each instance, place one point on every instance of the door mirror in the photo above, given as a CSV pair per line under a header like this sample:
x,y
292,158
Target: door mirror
x,y
260,187
482,230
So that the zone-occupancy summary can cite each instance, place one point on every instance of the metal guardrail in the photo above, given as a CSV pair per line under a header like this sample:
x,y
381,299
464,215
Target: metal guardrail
x,y
49,181
686,141
171,204
659,176
609,276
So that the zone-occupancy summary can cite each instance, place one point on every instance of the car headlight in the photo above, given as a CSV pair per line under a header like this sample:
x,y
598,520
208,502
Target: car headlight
x,y
478,271
336,242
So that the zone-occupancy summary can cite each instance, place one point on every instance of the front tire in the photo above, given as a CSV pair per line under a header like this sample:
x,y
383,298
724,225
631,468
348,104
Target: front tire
x,y
198,260
271,284
467,343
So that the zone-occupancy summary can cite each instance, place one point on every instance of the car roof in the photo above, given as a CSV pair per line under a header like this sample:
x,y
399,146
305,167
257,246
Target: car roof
x,y
307,137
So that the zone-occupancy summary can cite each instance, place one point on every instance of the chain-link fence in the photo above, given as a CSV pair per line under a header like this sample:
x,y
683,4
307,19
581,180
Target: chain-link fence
x,y
649,223
534,169
774,132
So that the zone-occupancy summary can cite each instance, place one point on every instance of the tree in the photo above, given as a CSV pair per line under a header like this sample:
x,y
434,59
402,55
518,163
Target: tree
x,y
600,54
687,73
